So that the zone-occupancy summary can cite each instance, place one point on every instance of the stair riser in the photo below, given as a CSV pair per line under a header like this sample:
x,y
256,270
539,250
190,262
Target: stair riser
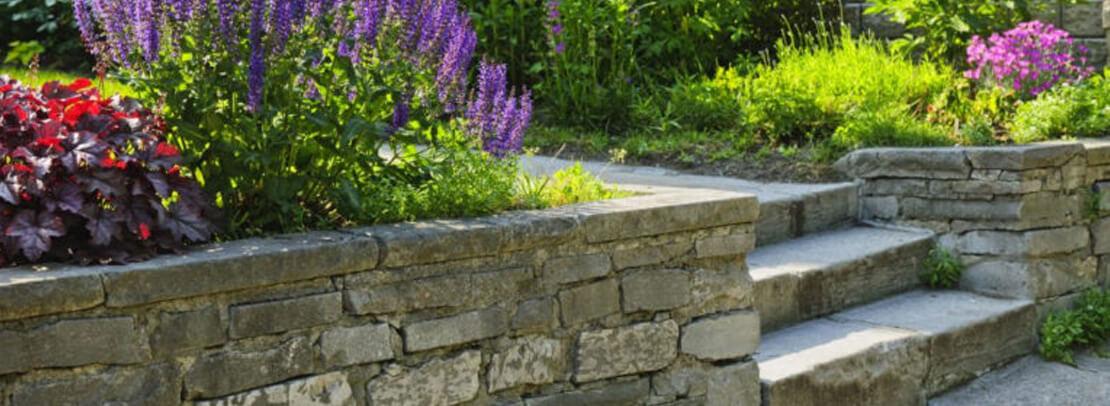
x,y
784,219
789,299
960,356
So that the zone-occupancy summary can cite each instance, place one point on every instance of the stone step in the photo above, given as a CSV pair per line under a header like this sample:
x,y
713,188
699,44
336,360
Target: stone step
x,y
787,210
898,351
822,273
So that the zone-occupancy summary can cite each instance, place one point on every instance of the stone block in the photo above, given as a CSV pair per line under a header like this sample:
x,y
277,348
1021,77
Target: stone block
x,y
330,389
71,343
650,255
536,315
427,293
345,346
189,330
626,350
1036,243
630,393
529,361
895,187
456,330
879,207
1031,279
681,382
655,290
439,382
1022,157
235,370
719,291
238,265
777,220
1083,20
151,385
726,337
882,26
734,385
589,302
661,214
257,319
919,163
724,246
577,268
26,293
829,207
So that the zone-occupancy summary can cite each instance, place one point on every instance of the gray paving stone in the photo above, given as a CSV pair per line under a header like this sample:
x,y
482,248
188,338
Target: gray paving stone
x,y
1032,381
27,293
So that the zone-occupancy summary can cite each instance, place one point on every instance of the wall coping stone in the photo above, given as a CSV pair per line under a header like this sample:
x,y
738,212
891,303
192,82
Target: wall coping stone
x,y
39,290
955,163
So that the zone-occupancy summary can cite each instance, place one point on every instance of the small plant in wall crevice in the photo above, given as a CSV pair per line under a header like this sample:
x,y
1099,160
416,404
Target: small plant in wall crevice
x,y
942,269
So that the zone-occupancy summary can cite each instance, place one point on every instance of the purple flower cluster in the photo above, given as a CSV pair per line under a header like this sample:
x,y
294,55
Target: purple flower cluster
x,y
556,27
498,117
1030,59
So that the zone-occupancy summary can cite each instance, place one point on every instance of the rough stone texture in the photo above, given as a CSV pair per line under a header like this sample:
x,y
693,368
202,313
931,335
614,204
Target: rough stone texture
x,y
1031,279
535,316
70,343
655,290
923,163
251,320
684,381
344,346
27,293
730,336
438,383
824,363
654,215
1038,243
734,385
455,330
1033,382
620,394
530,361
577,268
589,302
441,240
233,370
724,246
652,255
189,330
1083,20
626,350
330,389
427,293
154,385
1100,230
1023,157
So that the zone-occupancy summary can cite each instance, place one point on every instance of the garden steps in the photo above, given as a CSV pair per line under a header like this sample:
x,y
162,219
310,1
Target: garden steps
x,y
826,272
787,210
898,351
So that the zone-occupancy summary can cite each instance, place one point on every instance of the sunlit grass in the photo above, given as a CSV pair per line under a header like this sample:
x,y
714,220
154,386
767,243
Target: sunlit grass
x,y
108,88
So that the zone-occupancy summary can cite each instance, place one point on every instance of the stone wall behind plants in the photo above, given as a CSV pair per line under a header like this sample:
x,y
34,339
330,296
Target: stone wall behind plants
x,y
638,300
1028,221
1088,22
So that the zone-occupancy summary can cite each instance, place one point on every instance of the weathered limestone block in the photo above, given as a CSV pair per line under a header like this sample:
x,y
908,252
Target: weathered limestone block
x,y
1100,230
1031,279
879,207
330,389
651,255
644,216
152,385
257,319
724,337
442,240
427,293
734,385
687,381
724,246
589,302
530,361
70,343
1083,20
188,330
920,163
895,187
26,293
231,371
537,315
1021,157
715,291
626,350
345,346
1037,243
655,290
577,268
455,330
437,383
981,188
633,393
828,208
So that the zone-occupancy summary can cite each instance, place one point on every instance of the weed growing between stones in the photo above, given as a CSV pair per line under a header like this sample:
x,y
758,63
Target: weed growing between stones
x,y
942,269
1087,324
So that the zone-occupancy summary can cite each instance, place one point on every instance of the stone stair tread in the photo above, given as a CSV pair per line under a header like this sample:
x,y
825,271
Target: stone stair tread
x,y
828,249
898,350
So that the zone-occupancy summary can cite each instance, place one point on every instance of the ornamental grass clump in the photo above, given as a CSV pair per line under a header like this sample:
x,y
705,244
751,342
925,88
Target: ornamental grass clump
x,y
90,179
302,113
1028,60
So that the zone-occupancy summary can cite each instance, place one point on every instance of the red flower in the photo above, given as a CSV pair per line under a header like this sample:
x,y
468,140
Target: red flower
x,y
164,149
144,231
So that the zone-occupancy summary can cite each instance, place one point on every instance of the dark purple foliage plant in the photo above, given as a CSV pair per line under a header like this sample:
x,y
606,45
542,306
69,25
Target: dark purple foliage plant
x,y
90,179
297,112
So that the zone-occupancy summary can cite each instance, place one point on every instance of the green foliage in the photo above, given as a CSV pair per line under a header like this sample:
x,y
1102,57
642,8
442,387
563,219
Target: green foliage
x,y
1078,111
47,22
695,104
511,32
22,52
821,80
942,269
942,29
1087,324
769,19
571,185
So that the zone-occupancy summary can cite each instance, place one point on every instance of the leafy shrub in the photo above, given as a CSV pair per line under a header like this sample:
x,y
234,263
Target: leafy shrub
x,y
943,29
698,104
571,185
1068,111
768,20
1027,60
1088,323
942,269
819,80
288,105
90,179
511,31
48,25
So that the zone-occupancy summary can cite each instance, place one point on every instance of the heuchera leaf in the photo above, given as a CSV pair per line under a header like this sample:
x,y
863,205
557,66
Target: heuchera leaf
x,y
34,232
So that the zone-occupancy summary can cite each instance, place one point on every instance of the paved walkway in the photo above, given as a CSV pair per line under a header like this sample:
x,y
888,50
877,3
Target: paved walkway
x,y
1032,381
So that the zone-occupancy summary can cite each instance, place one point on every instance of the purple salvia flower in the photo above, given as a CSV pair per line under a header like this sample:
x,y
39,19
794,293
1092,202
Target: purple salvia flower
x,y
150,21
257,70
281,24
368,14
227,10
451,75
85,24
401,112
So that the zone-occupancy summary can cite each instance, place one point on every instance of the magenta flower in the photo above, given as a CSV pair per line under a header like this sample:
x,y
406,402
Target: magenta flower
x,y
1029,59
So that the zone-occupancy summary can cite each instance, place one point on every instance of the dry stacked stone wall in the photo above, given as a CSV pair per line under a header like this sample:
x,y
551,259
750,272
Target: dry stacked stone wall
x,y
1088,22
1028,221
645,300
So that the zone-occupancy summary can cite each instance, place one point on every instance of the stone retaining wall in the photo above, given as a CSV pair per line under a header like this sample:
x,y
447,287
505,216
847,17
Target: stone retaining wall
x,y
1025,219
1088,22
640,300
